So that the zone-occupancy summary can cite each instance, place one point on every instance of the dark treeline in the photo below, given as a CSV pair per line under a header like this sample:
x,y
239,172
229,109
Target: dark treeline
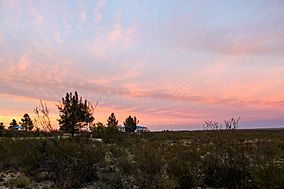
x,y
75,114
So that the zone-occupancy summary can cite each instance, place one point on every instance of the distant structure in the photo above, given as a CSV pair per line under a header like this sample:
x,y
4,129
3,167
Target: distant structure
x,y
86,128
18,127
139,129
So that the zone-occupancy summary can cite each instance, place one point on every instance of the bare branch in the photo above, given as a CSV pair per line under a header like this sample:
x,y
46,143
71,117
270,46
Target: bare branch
x,y
42,117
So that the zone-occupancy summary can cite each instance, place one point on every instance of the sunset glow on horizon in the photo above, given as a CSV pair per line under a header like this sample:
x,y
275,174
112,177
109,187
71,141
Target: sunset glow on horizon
x,y
173,64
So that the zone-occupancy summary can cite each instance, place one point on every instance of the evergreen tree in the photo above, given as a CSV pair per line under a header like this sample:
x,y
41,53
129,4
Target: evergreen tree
x,y
112,121
13,124
130,124
74,113
2,128
98,129
27,122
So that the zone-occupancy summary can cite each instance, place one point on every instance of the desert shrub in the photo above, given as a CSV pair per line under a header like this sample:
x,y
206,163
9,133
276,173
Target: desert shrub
x,y
186,182
20,181
35,133
212,168
181,171
270,174
270,150
183,165
117,169
111,135
148,164
12,153
126,165
178,167
123,159
206,159
71,164
230,169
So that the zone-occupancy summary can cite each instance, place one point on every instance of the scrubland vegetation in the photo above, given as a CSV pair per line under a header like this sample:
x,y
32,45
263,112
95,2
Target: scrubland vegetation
x,y
206,159
218,157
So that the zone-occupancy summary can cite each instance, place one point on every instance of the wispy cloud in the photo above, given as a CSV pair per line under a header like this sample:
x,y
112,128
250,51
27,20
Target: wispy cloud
x,y
98,10
174,63
115,41
1,38
37,15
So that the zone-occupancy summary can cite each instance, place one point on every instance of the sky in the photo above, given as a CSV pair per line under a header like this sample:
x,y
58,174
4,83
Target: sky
x,y
172,64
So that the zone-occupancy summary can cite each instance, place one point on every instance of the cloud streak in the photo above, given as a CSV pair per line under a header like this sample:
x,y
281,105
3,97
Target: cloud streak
x,y
174,64
98,10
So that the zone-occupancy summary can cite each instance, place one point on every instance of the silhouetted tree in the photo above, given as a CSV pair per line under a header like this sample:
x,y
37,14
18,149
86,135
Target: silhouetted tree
x,y
42,117
112,121
97,127
130,124
13,125
27,123
100,127
2,128
74,113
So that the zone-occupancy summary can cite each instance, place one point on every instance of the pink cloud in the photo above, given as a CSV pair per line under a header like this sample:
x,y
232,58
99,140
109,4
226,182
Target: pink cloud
x,y
239,92
1,38
167,71
58,37
98,9
83,16
10,3
120,35
36,14
236,42
115,34
117,40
